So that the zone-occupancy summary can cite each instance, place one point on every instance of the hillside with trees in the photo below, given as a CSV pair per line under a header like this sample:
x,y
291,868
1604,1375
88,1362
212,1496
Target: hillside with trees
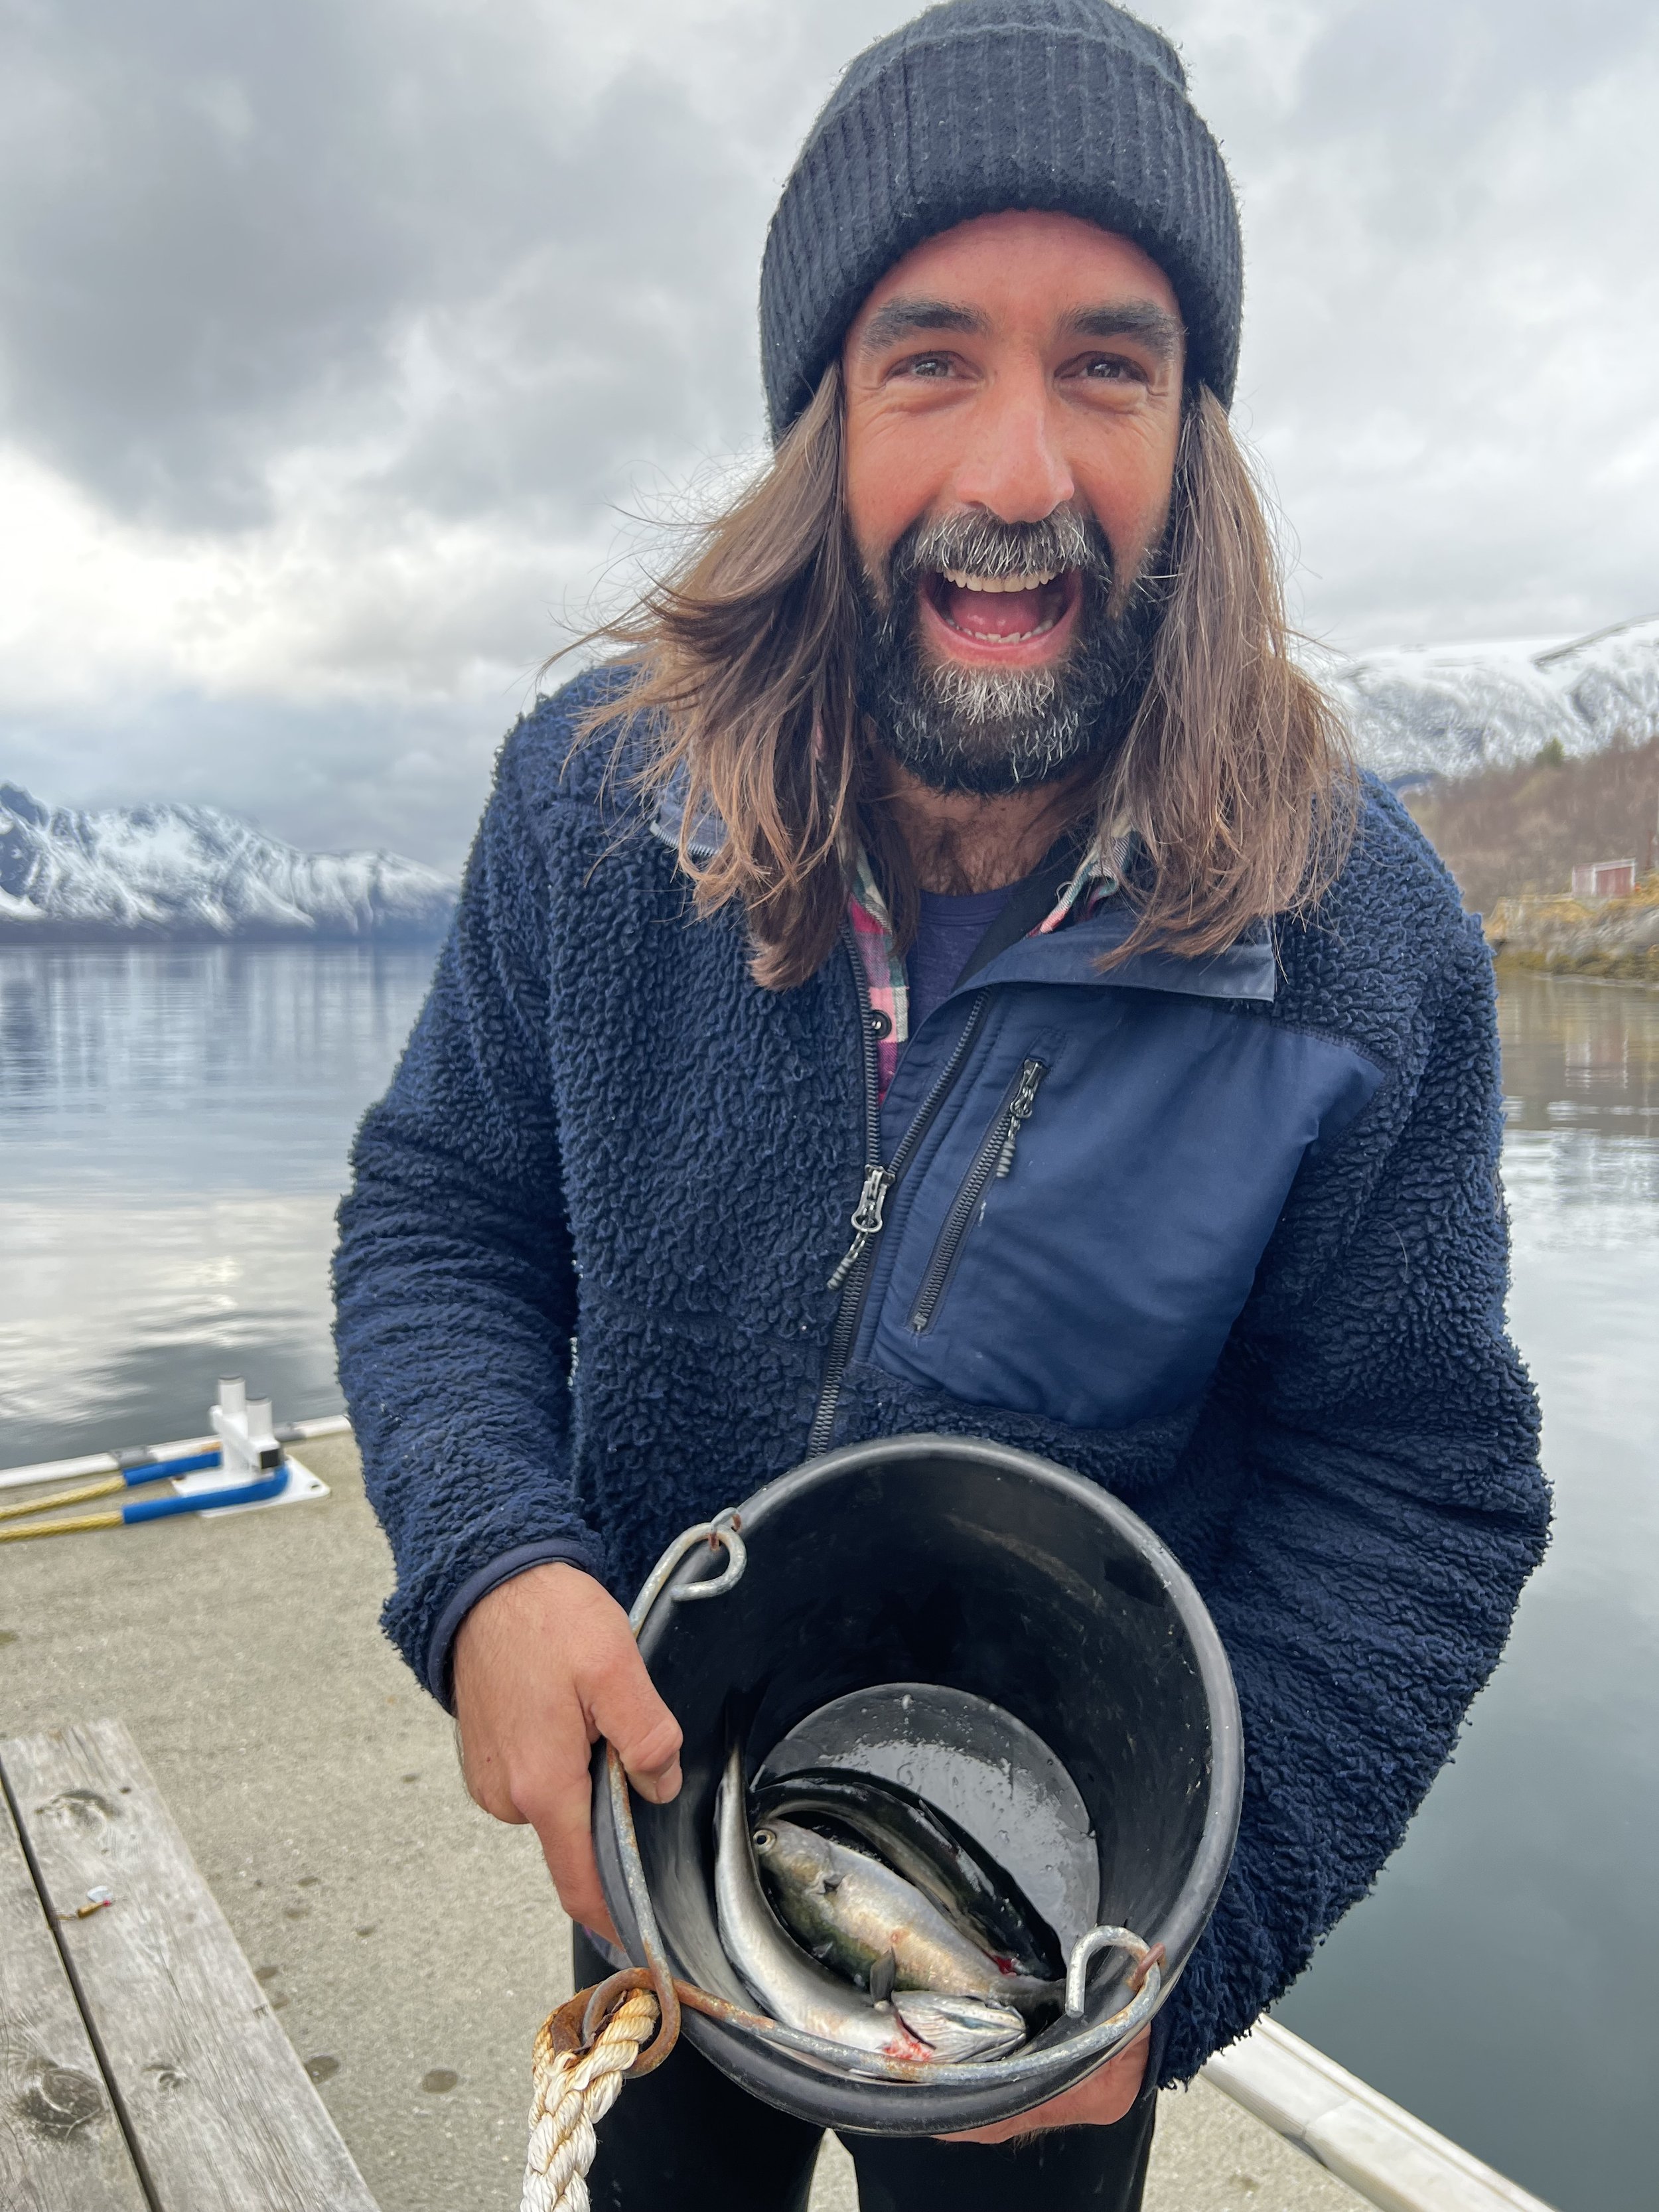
x,y
1510,832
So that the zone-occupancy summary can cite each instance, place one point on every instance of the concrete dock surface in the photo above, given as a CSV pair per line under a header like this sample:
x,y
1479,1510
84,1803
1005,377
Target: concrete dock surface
x,y
410,1946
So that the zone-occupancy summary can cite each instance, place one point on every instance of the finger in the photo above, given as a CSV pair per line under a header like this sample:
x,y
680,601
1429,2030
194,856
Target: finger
x,y
1000,2131
561,1817
1022,2123
1100,2100
585,1906
624,1705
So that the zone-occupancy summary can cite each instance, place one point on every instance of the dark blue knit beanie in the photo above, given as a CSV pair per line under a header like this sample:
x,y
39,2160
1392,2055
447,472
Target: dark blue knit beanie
x,y
980,106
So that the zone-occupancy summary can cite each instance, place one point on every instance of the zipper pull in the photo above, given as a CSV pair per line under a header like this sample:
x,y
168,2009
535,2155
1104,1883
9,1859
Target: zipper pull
x,y
866,1220
1019,1113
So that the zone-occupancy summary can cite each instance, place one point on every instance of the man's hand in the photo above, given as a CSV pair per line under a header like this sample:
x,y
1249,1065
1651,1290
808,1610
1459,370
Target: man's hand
x,y
1105,2096
544,1665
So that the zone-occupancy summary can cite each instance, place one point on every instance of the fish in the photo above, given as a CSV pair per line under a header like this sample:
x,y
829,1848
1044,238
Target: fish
x,y
924,1845
921,2026
858,1916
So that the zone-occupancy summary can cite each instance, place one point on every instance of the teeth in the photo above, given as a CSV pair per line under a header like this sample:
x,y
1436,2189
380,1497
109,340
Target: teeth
x,y
1017,637
1032,581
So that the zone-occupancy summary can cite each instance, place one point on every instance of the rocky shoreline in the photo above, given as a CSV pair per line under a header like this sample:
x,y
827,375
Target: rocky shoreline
x,y
1618,938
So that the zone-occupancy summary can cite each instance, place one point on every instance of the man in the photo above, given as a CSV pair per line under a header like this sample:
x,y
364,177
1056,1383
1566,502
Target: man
x,y
959,799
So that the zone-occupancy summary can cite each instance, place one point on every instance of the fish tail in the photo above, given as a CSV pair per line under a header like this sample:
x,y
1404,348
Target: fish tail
x,y
960,2027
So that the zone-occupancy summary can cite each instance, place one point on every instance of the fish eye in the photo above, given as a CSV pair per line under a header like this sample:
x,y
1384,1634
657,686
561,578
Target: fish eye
x,y
763,1839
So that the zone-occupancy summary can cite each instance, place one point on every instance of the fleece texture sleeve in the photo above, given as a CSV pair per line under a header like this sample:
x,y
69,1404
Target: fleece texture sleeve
x,y
1390,1508
454,1286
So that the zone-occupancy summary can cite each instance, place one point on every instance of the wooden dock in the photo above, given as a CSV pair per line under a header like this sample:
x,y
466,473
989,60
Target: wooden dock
x,y
403,1946
141,2066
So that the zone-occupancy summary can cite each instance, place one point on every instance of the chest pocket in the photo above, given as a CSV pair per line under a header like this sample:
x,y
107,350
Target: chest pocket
x,y
1079,1240
992,1163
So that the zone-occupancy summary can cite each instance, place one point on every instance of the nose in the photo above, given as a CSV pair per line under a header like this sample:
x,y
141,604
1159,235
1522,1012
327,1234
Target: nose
x,y
1015,467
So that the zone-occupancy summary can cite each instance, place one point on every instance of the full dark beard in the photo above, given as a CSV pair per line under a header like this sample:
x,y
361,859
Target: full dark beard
x,y
987,730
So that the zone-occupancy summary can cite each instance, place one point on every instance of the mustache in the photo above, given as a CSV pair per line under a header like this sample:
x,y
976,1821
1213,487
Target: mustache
x,y
990,730
982,546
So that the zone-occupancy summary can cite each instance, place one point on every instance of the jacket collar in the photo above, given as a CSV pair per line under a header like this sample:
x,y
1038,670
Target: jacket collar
x,y
1069,953
1247,970
669,812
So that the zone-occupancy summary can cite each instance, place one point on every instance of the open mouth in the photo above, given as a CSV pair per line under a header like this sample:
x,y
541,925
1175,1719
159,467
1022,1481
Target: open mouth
x,y
1000,614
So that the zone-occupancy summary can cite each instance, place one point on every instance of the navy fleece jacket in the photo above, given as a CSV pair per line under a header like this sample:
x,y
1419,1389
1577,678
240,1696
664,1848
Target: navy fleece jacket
x,y
1248,1271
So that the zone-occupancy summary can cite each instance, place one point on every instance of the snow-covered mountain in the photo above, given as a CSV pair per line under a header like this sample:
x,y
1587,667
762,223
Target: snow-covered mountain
x,y
193,871
1448,710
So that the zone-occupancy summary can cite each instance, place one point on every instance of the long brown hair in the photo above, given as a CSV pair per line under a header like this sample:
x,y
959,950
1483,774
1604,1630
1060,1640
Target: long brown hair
x,y
1235,772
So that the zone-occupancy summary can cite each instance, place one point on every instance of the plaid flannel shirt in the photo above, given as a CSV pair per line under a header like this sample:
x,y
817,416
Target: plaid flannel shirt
x,y
1096,877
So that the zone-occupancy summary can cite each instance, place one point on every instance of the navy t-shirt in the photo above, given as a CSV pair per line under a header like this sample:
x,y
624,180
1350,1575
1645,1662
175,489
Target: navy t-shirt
x,y
948,931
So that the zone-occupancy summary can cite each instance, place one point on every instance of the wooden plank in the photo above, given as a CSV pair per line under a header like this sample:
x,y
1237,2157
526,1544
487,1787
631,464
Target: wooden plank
x,y
61,2145
219,2110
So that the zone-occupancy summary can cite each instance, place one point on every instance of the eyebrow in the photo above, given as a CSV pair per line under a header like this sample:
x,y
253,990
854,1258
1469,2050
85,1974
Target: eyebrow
x,y
909,318
914,317
1130,319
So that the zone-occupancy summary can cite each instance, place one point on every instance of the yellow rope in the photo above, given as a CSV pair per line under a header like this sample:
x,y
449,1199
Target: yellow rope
x,y
573,2090
64,1498
61,1527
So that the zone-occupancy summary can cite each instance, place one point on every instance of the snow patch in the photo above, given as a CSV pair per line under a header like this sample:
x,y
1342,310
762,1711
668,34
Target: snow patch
x,y
1435,711
195,871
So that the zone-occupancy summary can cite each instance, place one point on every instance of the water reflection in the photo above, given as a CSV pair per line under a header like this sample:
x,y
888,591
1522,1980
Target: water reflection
x,y
1579,1054
173,1127
1526,1881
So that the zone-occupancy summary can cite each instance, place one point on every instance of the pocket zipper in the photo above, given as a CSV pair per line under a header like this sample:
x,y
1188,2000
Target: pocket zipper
x,y
852,1277
993,1162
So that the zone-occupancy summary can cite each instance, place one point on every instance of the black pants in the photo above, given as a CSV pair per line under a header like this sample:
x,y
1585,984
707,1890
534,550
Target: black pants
x,y
686,2137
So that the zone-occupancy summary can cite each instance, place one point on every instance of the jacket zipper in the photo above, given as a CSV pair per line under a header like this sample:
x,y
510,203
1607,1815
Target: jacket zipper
x,y
852,1277
992,1162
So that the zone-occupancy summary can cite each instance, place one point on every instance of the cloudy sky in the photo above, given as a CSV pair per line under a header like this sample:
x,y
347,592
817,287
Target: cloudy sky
x,y
350,352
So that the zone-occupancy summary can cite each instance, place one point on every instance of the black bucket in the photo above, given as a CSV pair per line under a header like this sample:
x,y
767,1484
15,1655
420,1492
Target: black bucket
x,y
975,1620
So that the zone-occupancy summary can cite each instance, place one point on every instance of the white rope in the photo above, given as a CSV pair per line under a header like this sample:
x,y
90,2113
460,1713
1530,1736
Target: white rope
x,y
571,2093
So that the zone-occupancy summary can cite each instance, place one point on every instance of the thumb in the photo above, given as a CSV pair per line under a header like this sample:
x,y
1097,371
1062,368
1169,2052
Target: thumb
x,y
627,1712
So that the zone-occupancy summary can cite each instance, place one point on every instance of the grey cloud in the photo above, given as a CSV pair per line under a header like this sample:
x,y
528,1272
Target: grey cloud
x,y
1451,308
228,226
1417,70
364,282
620,335
191,262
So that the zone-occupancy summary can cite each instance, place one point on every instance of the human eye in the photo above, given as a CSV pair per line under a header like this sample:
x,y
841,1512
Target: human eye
x,y
931,365
1113,368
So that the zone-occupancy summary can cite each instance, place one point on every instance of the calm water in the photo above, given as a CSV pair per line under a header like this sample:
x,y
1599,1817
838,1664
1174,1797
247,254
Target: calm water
x,y
173,1132
174,1129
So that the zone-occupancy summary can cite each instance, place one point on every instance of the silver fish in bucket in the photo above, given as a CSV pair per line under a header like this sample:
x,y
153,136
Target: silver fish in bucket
x,y
922,2025
888,1821
869,1923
